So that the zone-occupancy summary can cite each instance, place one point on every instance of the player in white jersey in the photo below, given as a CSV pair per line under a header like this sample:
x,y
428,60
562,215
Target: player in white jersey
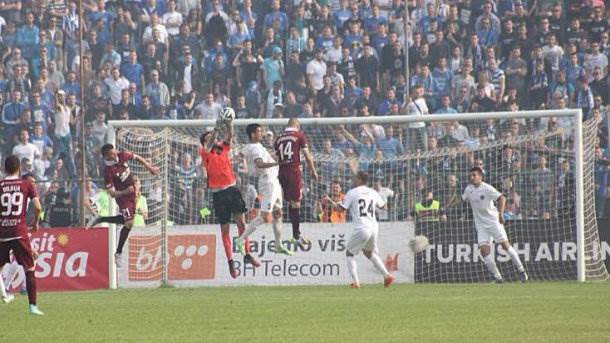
x,y
489,222
362,202
262,165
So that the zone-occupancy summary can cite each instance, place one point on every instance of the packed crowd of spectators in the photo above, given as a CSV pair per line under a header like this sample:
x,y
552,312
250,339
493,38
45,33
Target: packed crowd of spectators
x,y
183,59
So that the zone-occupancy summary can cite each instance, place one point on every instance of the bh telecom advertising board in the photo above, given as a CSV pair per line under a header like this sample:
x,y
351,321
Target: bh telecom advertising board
x,y
196,257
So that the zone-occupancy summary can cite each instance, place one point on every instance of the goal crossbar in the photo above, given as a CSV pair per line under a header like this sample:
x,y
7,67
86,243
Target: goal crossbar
x,y
193,123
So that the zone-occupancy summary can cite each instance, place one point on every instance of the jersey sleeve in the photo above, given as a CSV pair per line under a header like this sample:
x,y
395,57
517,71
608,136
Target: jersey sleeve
x,y
31,191
492,192
256,153
125,155
379,200
303,140
347,201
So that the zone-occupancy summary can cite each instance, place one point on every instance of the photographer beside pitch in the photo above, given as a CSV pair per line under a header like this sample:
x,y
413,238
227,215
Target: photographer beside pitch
x,y
489,222
227,198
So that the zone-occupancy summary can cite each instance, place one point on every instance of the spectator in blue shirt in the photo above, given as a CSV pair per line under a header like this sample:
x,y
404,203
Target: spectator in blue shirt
x,y
441,77
278,15
27,37
390,145
341,15
384,107
11,112
488,36
325,40
132,70
445,106
375,20
72,85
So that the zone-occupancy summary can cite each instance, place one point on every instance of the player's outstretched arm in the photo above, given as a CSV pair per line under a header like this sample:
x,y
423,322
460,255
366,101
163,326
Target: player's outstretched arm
x,y
230,133
152,169
501,206
348,135
264,165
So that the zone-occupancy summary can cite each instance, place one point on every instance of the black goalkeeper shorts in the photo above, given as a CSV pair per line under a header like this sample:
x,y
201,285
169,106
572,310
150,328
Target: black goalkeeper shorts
x,y
227,202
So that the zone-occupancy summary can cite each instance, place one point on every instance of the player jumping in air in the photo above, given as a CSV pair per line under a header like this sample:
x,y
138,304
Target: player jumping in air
x,y
362,202
489,222
119,184
227,198
288,147
14,195
261,164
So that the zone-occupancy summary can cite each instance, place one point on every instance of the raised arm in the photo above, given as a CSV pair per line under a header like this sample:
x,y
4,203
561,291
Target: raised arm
x,y
348,135
152,169
230,132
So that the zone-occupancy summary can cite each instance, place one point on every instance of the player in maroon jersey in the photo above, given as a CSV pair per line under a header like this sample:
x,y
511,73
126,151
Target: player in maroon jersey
x,y
119,184
288,147
14,195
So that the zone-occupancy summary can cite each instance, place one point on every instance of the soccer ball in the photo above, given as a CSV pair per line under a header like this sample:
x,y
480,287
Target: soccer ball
x,y
418,243
228,114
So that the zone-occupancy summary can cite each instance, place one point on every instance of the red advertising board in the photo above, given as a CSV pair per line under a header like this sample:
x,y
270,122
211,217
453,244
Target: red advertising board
x,y
69,259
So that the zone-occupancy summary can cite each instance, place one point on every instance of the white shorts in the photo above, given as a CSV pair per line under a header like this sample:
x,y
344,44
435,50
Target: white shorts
x,y
491,234
271,196
362,240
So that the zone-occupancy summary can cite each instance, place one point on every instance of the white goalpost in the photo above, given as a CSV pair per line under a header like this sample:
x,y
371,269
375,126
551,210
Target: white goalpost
x,y
542,161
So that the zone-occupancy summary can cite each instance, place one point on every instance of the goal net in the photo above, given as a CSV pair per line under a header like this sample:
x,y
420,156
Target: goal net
x,y
421,168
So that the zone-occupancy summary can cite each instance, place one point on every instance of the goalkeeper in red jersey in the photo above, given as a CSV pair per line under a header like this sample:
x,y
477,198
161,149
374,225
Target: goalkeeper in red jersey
x,y
226,197
288,147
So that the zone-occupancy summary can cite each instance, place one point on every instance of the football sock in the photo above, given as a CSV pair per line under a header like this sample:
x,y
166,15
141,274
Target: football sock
x,y
122,239
30,284
118,219
277,232
351,267
491,266
295,219
12,269
258,221
378,264
515,257
2,288
226,242
240,231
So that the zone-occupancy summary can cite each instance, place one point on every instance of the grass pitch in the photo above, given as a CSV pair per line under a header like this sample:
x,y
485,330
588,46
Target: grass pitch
x,y
535,312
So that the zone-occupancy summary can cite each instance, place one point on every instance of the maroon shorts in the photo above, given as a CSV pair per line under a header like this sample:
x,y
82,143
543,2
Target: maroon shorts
x,y
290,179
22,250
127,206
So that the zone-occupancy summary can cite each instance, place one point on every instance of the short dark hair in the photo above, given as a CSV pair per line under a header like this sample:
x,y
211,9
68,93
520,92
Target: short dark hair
x,y
28,176
250,129
106,148
11,164
363,176
477,170
203,137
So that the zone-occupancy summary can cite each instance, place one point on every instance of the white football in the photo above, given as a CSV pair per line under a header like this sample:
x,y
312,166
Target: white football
x,y
228,114
418,243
